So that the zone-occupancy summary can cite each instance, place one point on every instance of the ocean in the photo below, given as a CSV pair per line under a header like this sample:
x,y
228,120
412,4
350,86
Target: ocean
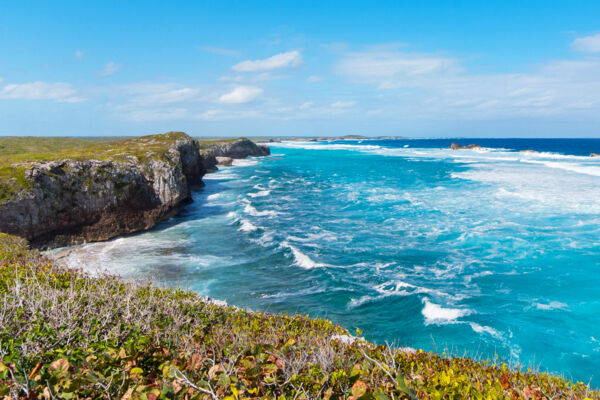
x,y
490,253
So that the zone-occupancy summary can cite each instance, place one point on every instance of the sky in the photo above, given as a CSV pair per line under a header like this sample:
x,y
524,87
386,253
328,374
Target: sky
x,y
300,68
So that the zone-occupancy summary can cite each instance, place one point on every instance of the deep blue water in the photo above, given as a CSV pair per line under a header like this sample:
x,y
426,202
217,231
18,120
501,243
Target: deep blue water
x,y
482,253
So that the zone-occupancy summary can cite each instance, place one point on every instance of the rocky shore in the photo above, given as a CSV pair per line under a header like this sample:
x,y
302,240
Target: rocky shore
x,y
130,186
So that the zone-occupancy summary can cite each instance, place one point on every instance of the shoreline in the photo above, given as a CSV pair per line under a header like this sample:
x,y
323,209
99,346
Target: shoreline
x,y
345,339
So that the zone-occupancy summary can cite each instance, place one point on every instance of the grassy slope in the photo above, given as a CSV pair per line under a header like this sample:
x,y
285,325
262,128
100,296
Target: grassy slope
x,y
64,334
16,153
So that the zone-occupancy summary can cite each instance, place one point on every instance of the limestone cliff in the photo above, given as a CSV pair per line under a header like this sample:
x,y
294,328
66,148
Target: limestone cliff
x,y
127,189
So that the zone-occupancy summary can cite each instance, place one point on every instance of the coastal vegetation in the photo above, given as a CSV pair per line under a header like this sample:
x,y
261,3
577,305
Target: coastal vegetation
x,y
17,154
68,335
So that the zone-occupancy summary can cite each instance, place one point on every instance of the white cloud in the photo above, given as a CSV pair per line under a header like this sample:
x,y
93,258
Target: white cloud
x,y
109,69
79,54
57,91
314,78
394,69
587,44
306,105
427,85
210,115
343,104
159,93
289,59
219,51
241,94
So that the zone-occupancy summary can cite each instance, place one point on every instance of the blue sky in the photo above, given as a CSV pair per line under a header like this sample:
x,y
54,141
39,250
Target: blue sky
x,y
231,68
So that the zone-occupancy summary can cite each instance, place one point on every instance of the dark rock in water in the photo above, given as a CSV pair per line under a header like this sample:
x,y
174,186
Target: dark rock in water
x,y
455,146
594,155
528,151
241,148
225,161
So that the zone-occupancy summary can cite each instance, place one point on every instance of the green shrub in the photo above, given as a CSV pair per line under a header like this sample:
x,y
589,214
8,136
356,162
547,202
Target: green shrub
x,y
65,334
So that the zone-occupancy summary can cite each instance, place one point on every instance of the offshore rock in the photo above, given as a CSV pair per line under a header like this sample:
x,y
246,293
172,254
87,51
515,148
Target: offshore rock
x,y
456,146
241,148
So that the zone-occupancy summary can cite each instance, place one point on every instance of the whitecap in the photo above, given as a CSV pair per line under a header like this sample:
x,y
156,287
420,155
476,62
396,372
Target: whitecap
x,y
261,193
247,226
485,329
553,305
571,167
301,259
397,288
244,162
249,209
436,314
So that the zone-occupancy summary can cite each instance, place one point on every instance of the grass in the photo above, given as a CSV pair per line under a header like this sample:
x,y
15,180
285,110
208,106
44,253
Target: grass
x,y
68,335
18,153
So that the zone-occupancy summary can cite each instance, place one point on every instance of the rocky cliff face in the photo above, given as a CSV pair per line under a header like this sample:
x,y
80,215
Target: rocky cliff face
x,y
74,201
241,148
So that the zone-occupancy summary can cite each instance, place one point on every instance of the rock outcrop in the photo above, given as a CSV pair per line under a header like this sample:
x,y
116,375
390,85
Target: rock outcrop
x,y
225,161
240,148
528,151
74,201
456,146
594,155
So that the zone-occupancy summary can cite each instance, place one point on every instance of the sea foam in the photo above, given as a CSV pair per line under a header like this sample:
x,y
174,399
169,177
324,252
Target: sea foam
x,y
436,314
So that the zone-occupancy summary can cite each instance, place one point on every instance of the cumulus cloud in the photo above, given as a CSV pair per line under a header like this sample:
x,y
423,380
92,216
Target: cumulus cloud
x,y
109,69
289,59
56,91
241,94
587,44
79,54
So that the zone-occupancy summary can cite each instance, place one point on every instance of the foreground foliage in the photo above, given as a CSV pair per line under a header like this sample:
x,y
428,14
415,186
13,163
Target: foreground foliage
x,y
64,334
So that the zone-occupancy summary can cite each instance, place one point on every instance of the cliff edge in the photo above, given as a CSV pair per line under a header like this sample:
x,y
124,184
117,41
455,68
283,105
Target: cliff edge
x,y
107,189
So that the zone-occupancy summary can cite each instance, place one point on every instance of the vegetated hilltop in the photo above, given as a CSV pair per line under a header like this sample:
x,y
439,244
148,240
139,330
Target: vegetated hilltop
x,y
64,334
60,191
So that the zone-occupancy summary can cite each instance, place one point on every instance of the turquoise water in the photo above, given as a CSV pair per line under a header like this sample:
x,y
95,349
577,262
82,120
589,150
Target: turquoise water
x,y
481,253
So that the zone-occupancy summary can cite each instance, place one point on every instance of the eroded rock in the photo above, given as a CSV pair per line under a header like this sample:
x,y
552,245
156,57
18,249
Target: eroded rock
x,y
456,146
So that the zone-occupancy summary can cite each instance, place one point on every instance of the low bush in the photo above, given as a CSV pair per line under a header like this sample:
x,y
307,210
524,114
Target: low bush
x,y
67,335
